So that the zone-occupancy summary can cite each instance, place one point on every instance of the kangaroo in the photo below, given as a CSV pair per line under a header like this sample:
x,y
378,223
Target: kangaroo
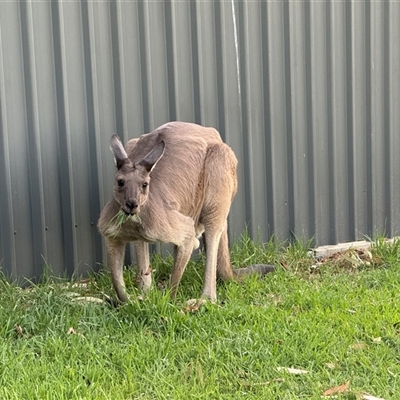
x,y
175,185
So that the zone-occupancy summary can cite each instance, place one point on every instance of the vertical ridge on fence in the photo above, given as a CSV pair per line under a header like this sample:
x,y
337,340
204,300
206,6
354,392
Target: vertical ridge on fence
x,y
63,132
8,248
34,194
392,117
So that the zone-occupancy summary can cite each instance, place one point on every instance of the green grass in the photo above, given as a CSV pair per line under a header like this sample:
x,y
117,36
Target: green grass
x,y
336,319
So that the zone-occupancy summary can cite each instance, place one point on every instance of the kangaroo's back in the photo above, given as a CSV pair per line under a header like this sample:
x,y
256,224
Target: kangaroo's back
x,y
173,130
179,174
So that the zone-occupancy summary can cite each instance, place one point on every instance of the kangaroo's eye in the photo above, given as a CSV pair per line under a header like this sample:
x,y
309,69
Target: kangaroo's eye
x,y
144,185
121,182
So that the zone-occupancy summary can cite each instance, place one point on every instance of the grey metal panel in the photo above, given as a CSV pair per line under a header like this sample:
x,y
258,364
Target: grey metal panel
x,y
8,256
306,93
300,147
17,206
392,117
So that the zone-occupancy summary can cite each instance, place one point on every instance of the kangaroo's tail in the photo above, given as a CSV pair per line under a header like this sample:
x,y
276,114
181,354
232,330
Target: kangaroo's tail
x,y
259,269
224,267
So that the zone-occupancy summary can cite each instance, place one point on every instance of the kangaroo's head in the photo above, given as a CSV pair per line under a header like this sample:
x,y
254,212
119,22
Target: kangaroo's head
x,y
132,180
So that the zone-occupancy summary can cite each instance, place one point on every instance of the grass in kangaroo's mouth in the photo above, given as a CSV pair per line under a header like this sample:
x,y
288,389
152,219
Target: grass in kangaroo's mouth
x,y
121,217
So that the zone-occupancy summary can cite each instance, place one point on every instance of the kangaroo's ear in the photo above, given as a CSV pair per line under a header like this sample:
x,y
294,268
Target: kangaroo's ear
x,y
117,148
153,156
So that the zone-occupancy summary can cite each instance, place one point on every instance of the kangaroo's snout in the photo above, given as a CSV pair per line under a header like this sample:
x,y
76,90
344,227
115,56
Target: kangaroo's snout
x,y
131,206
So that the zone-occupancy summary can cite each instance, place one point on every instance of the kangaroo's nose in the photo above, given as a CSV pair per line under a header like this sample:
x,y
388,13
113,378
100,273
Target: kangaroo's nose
x,y
131,205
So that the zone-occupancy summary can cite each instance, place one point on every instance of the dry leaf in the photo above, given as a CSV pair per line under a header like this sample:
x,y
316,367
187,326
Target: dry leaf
x,y
330,365
276,299
358,346
265,383
193,305
88,299
338,389
285,266
82,284
19,331
162,285
377,340
353,258
366,396
369,254
200,374
72,331
259,383
293,371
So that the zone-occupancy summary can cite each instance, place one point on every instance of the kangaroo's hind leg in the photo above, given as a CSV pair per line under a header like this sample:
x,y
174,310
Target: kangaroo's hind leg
x,y
221,186
212,238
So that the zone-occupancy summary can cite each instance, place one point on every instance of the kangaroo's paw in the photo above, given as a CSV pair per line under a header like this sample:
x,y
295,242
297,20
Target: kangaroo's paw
x,y
194,304
143,280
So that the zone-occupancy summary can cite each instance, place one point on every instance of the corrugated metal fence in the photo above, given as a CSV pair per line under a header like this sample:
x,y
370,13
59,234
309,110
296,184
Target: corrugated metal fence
x,y
305,92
